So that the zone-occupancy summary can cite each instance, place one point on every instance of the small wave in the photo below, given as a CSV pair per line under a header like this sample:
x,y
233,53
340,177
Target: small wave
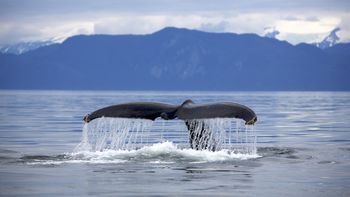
x,y
165,152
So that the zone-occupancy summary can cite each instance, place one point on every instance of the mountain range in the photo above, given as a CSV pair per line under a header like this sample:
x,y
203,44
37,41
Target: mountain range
x,y
178,59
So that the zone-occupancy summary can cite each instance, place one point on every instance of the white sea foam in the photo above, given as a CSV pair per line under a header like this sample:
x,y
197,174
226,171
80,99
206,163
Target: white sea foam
x,y
119,140
164,152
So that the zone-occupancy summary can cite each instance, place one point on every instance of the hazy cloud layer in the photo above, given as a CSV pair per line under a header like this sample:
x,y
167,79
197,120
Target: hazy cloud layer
x,y
297,21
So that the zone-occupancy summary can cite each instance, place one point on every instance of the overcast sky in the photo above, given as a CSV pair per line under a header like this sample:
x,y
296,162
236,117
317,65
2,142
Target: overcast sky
x,y
296,20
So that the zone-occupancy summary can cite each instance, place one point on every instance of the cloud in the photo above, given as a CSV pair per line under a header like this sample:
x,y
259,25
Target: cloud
x,y
324,25
291,18
13,33
306,18
312,18
144,24
295,20
271,32
214,27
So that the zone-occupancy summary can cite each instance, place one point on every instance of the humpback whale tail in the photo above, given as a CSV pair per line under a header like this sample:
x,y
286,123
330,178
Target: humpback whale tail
x,y
188,111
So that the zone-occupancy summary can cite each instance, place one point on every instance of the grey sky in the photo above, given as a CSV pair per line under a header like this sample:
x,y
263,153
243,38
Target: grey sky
x,y
297,21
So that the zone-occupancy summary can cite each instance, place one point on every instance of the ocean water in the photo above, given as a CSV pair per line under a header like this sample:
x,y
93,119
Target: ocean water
x,y
302,147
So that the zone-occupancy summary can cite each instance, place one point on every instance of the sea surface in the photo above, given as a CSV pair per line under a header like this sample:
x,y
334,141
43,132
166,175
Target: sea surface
x,y
302,147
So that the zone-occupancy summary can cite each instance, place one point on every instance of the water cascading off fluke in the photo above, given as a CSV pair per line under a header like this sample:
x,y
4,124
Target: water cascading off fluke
x,y
123,126
114,134
131,134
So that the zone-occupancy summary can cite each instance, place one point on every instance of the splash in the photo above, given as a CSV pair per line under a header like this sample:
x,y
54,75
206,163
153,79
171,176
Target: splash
x,y
124,134
114,134
120,140
159,153
217,134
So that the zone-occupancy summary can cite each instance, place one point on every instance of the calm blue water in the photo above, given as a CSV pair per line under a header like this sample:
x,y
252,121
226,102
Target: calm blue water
x,y
303,148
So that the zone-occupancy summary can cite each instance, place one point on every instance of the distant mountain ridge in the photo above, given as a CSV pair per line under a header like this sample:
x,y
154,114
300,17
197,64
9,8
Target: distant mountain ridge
x,y
270,32
24,47
178,59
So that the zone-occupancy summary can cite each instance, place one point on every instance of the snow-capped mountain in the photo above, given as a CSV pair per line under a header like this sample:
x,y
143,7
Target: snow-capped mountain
x,y
271,32
329,40
23,47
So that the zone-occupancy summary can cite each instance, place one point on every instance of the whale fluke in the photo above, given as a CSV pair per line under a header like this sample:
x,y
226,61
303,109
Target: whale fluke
x,y
143,110
188,111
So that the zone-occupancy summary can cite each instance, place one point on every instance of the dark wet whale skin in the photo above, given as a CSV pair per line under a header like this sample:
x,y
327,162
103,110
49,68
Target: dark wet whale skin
x,y
188,110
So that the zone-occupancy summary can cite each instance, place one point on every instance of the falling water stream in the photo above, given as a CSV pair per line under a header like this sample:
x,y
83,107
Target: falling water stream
x,y
105,134
114,134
